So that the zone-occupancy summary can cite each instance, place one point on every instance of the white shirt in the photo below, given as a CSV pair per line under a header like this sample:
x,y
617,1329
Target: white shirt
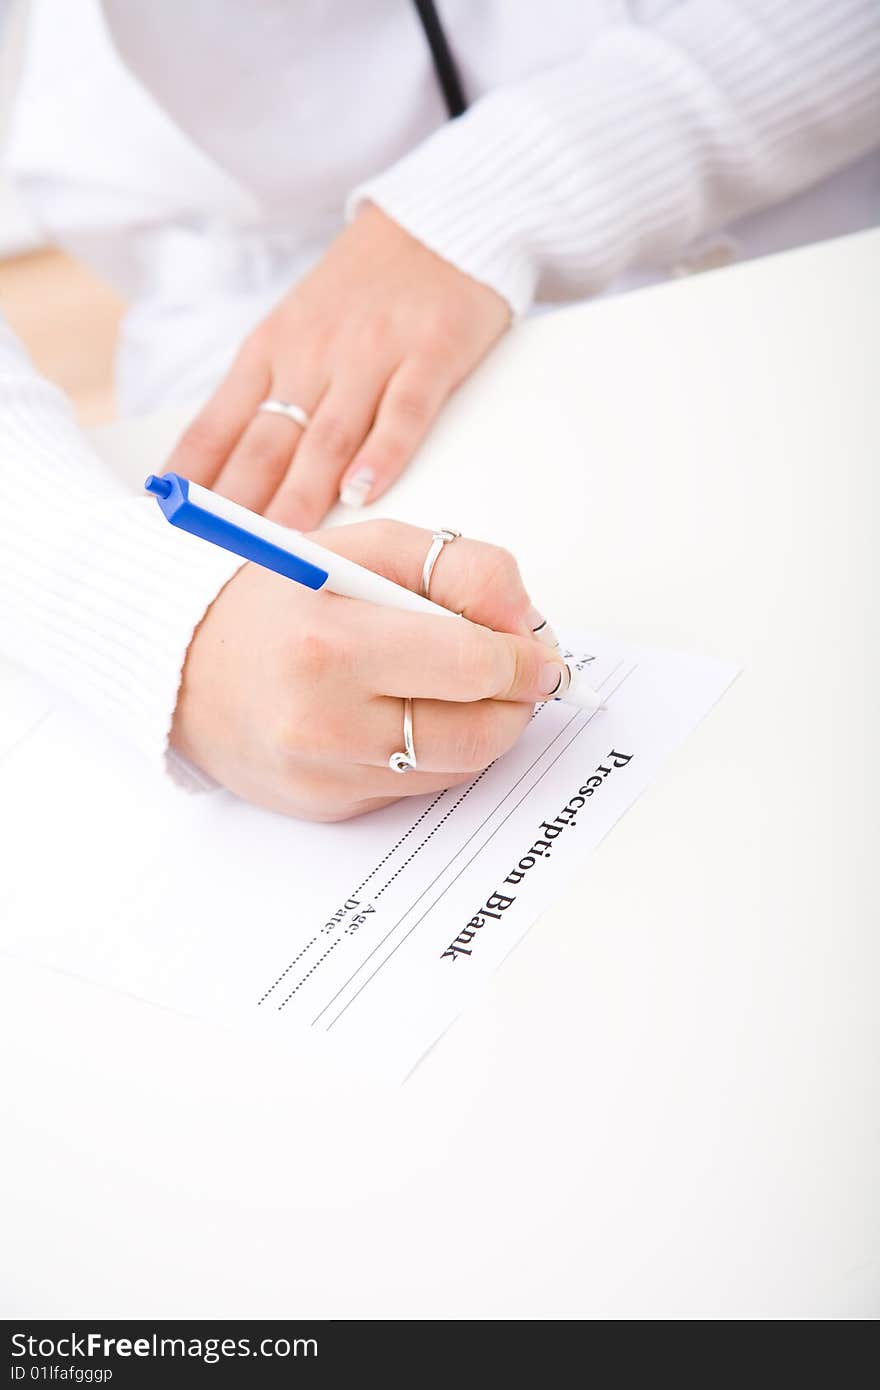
x,y
201,154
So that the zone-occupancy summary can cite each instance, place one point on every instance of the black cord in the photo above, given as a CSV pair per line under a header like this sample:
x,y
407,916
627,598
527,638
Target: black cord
x,y
444,63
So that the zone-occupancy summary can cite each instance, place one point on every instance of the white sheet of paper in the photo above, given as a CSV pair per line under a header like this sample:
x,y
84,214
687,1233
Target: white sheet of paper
x,y
356,943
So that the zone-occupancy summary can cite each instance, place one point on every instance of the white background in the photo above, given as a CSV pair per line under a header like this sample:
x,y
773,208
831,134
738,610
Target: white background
x,y
666,1103
17,231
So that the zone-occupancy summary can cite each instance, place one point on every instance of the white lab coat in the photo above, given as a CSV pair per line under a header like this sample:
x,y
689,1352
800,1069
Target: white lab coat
x,y
201,153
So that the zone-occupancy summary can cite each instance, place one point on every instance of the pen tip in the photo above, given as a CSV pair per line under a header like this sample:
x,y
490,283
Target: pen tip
x,y
581,693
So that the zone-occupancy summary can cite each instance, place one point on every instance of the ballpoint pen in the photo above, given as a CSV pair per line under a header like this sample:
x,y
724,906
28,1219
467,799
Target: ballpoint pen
x,y
203,513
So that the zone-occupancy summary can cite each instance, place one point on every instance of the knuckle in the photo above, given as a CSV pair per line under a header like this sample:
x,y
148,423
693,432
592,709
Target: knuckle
x,y
412,404
294,323
331,736
392,447
499,569
477,662
495,587
308,734
390,533
261,455
292,506
377,329
479,740
315,656
333,436
442,330
292,735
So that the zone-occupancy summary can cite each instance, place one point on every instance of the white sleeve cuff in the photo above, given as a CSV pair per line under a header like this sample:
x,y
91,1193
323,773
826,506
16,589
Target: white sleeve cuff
x,y
631,153
108,612
98,594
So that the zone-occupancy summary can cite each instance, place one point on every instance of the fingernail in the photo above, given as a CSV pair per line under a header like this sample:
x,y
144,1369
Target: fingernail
x,y
558,680
552,677
541,628
356,489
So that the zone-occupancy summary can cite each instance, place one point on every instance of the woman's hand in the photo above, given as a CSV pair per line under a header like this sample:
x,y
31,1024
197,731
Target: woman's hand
x,y
369,344
294,699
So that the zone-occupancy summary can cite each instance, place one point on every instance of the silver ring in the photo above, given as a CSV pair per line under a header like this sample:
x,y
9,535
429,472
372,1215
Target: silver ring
x,y
405,761
293,412
439,539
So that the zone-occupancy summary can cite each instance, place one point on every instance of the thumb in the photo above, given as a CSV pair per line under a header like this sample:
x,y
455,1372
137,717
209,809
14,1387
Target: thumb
x,y
526,670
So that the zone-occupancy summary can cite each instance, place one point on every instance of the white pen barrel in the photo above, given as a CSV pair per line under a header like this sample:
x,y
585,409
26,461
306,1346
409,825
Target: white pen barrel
x,y
344,576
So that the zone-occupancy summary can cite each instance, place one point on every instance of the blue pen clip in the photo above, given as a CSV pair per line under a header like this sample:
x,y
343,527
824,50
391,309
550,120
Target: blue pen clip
x,y
172,493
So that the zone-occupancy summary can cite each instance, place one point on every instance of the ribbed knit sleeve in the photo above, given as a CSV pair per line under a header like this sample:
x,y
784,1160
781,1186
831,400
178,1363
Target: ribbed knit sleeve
x,y
98,593
654,137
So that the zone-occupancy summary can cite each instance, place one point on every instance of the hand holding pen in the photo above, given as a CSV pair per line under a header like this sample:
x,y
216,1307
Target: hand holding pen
x,y
294,699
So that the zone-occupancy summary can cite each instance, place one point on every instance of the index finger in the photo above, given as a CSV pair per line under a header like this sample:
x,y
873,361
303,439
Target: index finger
x,y
480,581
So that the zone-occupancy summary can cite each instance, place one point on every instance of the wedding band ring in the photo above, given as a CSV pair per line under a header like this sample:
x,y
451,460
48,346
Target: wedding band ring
x,y
438,540
293,412
406,760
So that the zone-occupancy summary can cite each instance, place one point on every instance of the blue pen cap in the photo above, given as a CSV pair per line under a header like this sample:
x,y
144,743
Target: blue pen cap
x,y
171,491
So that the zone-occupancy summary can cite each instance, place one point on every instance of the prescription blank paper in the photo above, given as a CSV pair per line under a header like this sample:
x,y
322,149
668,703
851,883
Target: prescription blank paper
x,y
357,943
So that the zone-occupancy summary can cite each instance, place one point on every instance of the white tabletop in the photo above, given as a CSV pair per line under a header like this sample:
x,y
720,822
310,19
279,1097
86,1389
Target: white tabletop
x,y
665,1104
